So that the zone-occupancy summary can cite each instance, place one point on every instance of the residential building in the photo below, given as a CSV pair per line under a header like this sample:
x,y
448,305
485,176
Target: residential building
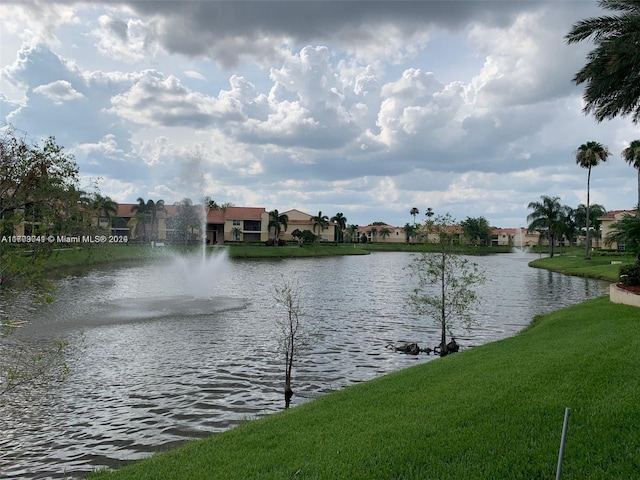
x,y
608,220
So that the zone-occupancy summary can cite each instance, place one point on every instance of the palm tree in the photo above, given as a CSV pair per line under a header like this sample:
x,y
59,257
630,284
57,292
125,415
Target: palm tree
x,y
429,213
631,155
373,231
546,217
352,230
595,211
589,155
148,211
409,231
275,220
320,221
340,225
612,71
141,216
414,211
384,233
104,207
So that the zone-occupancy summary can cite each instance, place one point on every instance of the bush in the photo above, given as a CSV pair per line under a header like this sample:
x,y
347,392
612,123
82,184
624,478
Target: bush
x,y
630,274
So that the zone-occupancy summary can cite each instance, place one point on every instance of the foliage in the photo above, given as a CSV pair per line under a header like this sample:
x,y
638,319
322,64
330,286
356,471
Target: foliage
x,y
631,155
304,236
147,214
612,71
291,336
630,274
23,369
38,193
546,218
321,222
278,222
477,230
446,283
340,222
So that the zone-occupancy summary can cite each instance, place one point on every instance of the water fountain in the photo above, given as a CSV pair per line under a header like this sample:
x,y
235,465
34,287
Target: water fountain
x,y
519,245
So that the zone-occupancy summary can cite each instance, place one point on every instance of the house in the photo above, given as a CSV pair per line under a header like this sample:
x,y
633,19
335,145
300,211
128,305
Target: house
x,y
382,233
514,237
608,220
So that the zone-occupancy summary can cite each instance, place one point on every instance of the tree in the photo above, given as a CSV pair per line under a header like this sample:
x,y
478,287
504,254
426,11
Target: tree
x,y
384,233
409,232
321,222
589,155
340,222
455,280
546,217
595,211
631,155
352,232
39,196
477,230
414,211
291,337
147,214
186,221
373,231
103,207
275,221
612,71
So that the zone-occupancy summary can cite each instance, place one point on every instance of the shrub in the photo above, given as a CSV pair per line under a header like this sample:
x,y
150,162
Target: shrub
x,y
630,274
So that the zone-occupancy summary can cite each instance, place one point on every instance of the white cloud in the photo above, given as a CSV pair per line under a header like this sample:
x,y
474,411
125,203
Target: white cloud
x,y
58,92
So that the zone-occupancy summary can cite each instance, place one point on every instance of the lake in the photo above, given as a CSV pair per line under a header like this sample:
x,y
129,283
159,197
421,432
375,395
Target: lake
x,y
160,354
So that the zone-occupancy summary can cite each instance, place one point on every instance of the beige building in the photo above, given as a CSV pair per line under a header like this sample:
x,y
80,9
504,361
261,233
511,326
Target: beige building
x,y
607,222
514,237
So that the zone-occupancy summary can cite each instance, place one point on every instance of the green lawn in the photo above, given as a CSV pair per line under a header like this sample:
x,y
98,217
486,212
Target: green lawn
x,y
495,411
599,266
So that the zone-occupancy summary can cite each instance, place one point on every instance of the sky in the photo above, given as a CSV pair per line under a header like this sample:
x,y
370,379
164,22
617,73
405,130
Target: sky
x,y
368,108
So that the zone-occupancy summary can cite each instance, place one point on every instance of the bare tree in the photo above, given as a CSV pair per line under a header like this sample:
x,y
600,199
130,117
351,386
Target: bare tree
x,y
291,336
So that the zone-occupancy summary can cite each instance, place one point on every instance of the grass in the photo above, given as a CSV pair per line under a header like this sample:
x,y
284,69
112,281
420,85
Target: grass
x,y
599,266
495,411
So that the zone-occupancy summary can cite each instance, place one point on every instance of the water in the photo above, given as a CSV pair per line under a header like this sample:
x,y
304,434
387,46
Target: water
x,y
158,358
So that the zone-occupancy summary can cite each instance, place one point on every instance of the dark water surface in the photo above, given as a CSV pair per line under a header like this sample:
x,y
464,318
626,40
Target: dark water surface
x,y
162,354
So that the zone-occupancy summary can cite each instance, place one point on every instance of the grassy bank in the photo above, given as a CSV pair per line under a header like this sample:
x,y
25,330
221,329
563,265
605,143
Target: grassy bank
x,y
495,411
599,266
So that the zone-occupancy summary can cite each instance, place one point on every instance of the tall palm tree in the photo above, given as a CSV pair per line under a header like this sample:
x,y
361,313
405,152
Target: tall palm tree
x,y
612,71
631,155
589,155
414,211
546,217
320,221
275,221
384,233
340,222
409,232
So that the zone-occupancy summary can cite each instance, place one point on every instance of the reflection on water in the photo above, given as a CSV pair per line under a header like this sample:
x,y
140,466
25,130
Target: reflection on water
x,y
159,364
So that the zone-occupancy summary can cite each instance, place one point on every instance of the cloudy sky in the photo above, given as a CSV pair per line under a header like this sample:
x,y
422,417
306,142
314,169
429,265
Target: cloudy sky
x,y
368,108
